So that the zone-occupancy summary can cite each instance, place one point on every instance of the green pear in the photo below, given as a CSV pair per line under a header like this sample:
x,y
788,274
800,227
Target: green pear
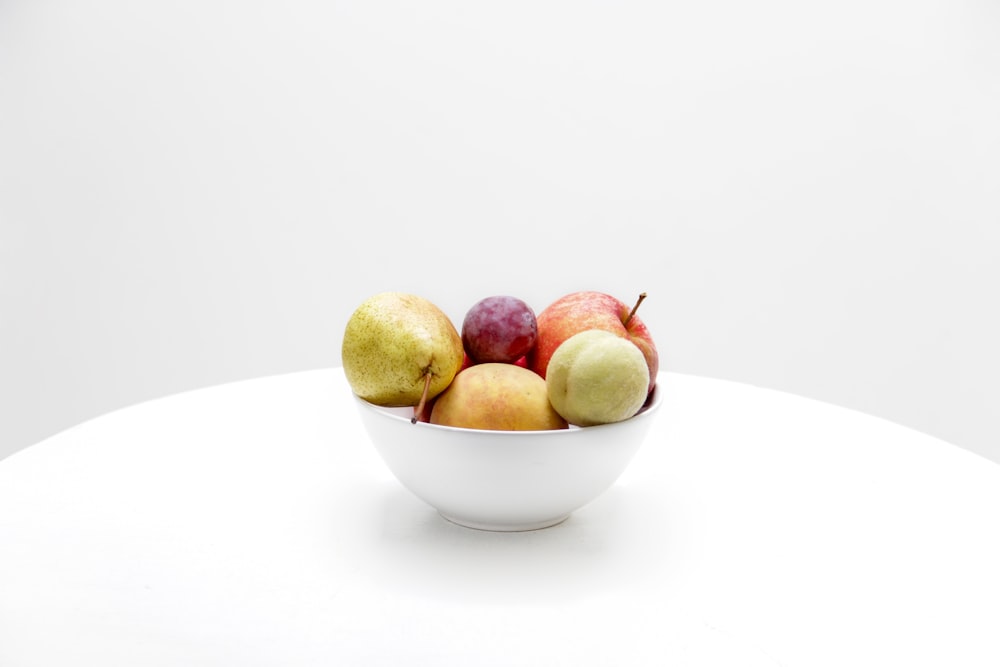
x,y
400,350
597,377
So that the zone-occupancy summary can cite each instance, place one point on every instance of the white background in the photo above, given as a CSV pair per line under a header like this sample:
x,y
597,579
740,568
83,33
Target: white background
x,y
199,192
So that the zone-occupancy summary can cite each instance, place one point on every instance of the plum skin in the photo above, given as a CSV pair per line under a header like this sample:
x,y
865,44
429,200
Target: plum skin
x,y
499,329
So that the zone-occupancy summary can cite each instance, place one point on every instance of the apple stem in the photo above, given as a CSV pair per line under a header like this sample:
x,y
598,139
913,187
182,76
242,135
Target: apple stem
x,y
628,319
418,411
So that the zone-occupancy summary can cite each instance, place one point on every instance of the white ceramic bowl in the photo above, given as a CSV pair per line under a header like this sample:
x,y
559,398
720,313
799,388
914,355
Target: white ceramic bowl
x,y
505,480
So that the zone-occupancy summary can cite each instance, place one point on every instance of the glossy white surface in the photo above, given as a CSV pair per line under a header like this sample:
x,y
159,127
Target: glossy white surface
x,y
253,524
505,480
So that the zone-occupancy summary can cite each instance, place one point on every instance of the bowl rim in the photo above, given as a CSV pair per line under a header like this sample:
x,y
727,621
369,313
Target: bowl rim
x,y
649,408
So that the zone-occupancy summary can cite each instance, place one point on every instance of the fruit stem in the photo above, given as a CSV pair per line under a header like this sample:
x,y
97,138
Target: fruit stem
x,y
418,412
628,319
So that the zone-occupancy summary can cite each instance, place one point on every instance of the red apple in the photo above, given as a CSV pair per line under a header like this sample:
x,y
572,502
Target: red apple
x,y
580,311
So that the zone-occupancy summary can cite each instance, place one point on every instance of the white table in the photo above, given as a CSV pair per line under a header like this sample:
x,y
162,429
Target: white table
x,y
253,524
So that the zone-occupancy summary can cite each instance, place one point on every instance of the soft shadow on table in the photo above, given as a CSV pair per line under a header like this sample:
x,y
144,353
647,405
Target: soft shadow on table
x,y
620,540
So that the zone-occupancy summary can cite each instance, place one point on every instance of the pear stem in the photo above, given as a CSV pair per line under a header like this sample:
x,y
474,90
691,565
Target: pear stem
x,y
418,412
628,319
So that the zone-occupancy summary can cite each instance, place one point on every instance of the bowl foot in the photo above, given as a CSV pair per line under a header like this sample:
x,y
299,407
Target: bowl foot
x,y
506,527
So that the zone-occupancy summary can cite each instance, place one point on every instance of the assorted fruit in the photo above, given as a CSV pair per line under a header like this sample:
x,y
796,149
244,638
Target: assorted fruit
x,y
586,359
